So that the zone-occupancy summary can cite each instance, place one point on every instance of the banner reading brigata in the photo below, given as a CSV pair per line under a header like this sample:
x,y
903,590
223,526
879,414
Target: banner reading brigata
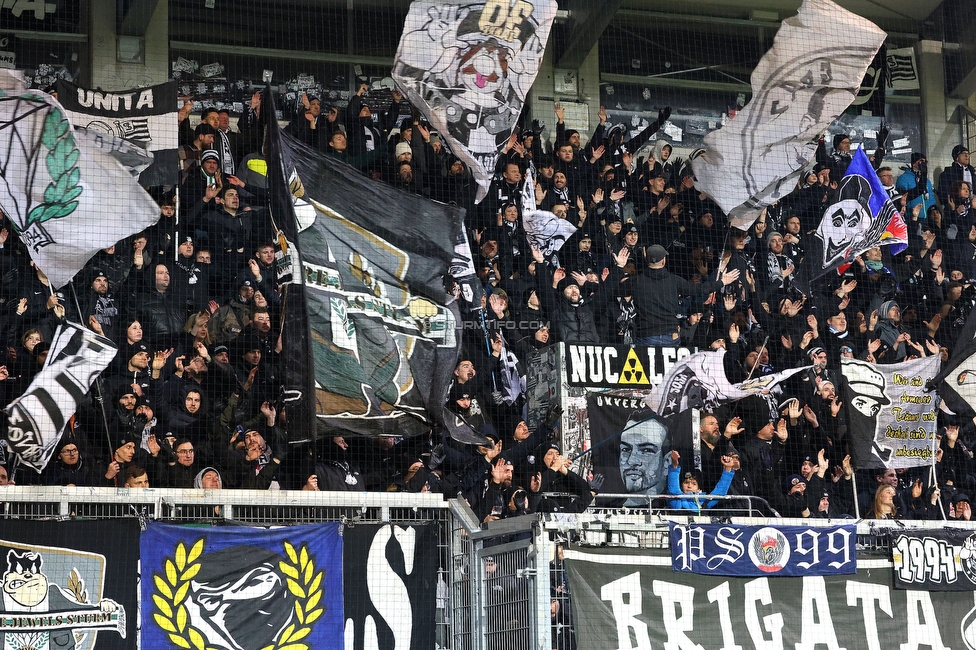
x,y
892,417
720,549
935,560
630,599
613,366
237,587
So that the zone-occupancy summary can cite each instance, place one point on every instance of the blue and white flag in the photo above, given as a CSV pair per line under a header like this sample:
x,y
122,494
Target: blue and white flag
x,y
728,550
862,218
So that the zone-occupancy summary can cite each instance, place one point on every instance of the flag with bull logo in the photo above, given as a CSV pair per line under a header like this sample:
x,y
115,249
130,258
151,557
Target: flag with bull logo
x,y
468,66
862,218
36,419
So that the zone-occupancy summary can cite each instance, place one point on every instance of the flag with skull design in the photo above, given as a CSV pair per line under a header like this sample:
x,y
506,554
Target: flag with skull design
x,y
467,66
862,218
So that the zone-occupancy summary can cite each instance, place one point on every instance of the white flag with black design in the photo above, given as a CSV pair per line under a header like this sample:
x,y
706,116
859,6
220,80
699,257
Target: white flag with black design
x,y
810,76
543,229
468,66
36,419
700,381
66,193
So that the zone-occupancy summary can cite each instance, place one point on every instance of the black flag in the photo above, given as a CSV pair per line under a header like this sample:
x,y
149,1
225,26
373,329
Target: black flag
x,y
384,335
956,383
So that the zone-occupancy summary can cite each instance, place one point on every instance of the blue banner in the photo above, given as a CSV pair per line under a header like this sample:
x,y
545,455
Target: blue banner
x,y
721,549
238,587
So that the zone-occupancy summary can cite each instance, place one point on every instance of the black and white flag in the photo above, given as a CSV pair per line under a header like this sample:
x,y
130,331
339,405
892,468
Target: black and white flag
x,y
145,116
810,76
902,69
700,381
892,416
467,65
37,418
544,230
65,191
956,382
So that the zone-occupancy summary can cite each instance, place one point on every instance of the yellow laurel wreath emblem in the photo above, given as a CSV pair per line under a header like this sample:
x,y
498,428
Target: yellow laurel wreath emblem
x,y
173,585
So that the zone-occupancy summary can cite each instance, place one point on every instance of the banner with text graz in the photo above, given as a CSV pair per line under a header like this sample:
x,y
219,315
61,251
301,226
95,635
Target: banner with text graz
x,y
728,550
69,584
942,559
390,577
630,599
620,366
240,588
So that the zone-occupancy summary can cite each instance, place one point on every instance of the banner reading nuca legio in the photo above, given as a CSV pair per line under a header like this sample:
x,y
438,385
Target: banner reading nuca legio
x,y
718,549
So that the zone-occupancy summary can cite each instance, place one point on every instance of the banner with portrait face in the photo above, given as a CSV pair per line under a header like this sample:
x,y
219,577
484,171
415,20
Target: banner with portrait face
x,y
633,461
892,415
238,587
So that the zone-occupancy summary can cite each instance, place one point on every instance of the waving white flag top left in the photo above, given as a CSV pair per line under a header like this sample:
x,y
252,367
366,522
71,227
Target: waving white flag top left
x,y
63,190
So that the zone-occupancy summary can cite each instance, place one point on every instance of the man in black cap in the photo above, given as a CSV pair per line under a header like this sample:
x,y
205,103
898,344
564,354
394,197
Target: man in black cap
x,y
960,509
198,179
959,170
191,155
657,292
99,308
189,278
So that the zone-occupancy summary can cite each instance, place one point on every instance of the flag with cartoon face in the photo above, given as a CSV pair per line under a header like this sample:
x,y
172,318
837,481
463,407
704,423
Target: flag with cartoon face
x,y
468,65
862,218
892,417
236,588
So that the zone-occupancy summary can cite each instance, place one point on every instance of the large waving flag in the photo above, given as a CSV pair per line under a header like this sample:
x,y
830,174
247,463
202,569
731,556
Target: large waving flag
x,y
37,418
699,381
65,192
863,217
803,83
377,327
467,66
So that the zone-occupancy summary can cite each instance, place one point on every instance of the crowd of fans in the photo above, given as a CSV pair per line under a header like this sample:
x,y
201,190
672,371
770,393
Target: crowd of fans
x,y
194,307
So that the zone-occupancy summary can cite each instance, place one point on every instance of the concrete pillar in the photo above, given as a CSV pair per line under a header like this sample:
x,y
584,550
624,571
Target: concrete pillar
x,y
941,129
543,95
108,72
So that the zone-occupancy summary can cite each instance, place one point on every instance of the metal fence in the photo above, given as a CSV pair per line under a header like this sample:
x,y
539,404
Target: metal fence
x,y
501,586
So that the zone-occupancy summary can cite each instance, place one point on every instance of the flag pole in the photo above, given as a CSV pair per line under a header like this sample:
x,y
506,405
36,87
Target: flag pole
x,y
99,397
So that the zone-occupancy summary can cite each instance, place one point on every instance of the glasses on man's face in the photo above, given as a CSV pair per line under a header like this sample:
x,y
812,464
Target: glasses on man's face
x,y
69,451
184,452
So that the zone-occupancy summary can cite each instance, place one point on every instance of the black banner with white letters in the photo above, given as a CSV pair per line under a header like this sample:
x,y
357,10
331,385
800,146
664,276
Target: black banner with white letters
x,y
935,560
390,586
631,599
620,366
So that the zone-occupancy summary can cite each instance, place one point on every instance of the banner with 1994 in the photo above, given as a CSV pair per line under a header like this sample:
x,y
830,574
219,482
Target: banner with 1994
x,y
722,549
935,560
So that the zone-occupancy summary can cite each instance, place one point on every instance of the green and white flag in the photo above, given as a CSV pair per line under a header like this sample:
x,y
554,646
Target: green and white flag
x,y
64,191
